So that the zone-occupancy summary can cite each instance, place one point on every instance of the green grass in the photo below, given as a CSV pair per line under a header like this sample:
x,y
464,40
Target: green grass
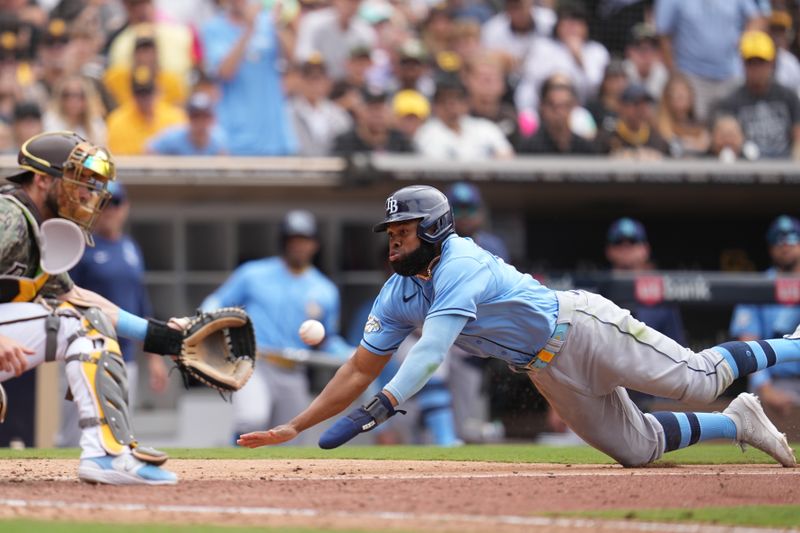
x,y
783,516
507,453
26,526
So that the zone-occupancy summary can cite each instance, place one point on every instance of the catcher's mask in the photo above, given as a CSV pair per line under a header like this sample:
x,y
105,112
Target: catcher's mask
x,y
85,171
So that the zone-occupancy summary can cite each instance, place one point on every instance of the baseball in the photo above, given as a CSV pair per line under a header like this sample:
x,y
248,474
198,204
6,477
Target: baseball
x,y
312,332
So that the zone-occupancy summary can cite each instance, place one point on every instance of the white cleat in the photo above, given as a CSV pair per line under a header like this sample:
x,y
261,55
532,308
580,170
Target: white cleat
x,y
795,335
754,428
123,470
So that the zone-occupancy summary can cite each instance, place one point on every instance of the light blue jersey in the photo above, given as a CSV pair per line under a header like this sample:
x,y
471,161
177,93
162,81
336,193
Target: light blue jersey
x,y
509,315
278,301
252,109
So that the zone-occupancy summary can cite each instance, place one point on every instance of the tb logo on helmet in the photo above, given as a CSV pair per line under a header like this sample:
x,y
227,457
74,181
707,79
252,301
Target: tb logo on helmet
x,y
391,206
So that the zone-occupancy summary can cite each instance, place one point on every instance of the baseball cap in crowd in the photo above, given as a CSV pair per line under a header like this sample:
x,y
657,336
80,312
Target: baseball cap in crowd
x,y
374,95
784,230
8,44
757,45
55,32
464,195
200,104
314,63
299,223
118,192
780,19
143,80
411,102
448,83
626,229
643,32
635,93
413,50
26,110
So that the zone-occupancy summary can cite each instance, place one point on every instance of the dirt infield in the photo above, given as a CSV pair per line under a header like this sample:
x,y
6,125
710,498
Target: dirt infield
x,y
377,495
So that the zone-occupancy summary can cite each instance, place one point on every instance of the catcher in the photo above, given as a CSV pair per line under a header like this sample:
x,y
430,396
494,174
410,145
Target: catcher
x,y
47,216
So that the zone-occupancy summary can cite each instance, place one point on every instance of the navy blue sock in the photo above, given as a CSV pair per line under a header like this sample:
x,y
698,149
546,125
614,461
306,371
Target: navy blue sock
x,y
748,357
684,429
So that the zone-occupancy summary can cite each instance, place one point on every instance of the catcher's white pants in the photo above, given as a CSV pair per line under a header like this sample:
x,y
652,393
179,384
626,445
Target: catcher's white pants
x,y
25,323
607,349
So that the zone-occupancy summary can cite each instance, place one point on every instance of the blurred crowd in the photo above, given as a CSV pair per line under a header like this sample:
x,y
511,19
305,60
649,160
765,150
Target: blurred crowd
x,y
456,79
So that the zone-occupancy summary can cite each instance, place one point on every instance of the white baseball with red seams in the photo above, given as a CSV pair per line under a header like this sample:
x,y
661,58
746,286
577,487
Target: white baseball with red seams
x,y
312,332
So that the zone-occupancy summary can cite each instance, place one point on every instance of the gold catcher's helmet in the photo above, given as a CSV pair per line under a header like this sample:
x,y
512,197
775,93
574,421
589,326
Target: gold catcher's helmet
x,y
84,169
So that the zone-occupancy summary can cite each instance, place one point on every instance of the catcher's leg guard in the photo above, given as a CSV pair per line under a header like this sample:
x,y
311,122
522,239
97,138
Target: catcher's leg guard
x,y
98,382
3,404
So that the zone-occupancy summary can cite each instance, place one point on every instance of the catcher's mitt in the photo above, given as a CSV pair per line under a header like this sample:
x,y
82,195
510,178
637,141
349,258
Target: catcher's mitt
x,y
218,348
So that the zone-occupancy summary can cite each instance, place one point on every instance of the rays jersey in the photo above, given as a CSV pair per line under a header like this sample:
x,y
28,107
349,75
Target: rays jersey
x,y
510,314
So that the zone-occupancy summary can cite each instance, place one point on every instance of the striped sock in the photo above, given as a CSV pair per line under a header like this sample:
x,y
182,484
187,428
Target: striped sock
x,y
747,357
684,429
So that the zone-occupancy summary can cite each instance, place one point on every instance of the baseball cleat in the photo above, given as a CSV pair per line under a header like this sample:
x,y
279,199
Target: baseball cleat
x,y
123,470
3,404
795,335
754,428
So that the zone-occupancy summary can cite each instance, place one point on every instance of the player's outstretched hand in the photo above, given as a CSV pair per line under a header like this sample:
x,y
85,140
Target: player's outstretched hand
x,y
360,420
276,435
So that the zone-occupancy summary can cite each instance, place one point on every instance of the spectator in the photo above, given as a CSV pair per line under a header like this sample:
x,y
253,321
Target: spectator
x,y
486,85
676,123
317,120
768,112
787,66
518,28
605,107
777,387
51,56
554,136
411,110
358,65
643,64
437,30
453,134
76,106
242,52
133,123
201,136
114,268
280,293
466,38
571,53
117,78
25,123
699,39
174,42
347,97
333,32
372,131
728,143
633,136
411,71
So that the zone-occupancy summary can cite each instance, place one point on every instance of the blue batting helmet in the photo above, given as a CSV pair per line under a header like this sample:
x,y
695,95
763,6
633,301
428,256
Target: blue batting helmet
x,y
423,203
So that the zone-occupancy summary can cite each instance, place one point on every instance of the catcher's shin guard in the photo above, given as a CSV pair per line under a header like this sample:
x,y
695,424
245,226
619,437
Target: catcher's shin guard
x,y
99,384
3,404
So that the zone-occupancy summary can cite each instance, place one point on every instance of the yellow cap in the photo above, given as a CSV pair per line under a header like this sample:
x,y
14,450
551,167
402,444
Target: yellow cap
x,y
410,102
757,45
780,19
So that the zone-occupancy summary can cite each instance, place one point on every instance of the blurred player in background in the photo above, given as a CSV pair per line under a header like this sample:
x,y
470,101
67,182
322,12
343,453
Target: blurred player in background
x,y
114,268
280,293
778,386
465,372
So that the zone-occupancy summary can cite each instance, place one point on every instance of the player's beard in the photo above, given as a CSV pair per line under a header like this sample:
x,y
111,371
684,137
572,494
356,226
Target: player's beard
x,y
51,200
415,262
